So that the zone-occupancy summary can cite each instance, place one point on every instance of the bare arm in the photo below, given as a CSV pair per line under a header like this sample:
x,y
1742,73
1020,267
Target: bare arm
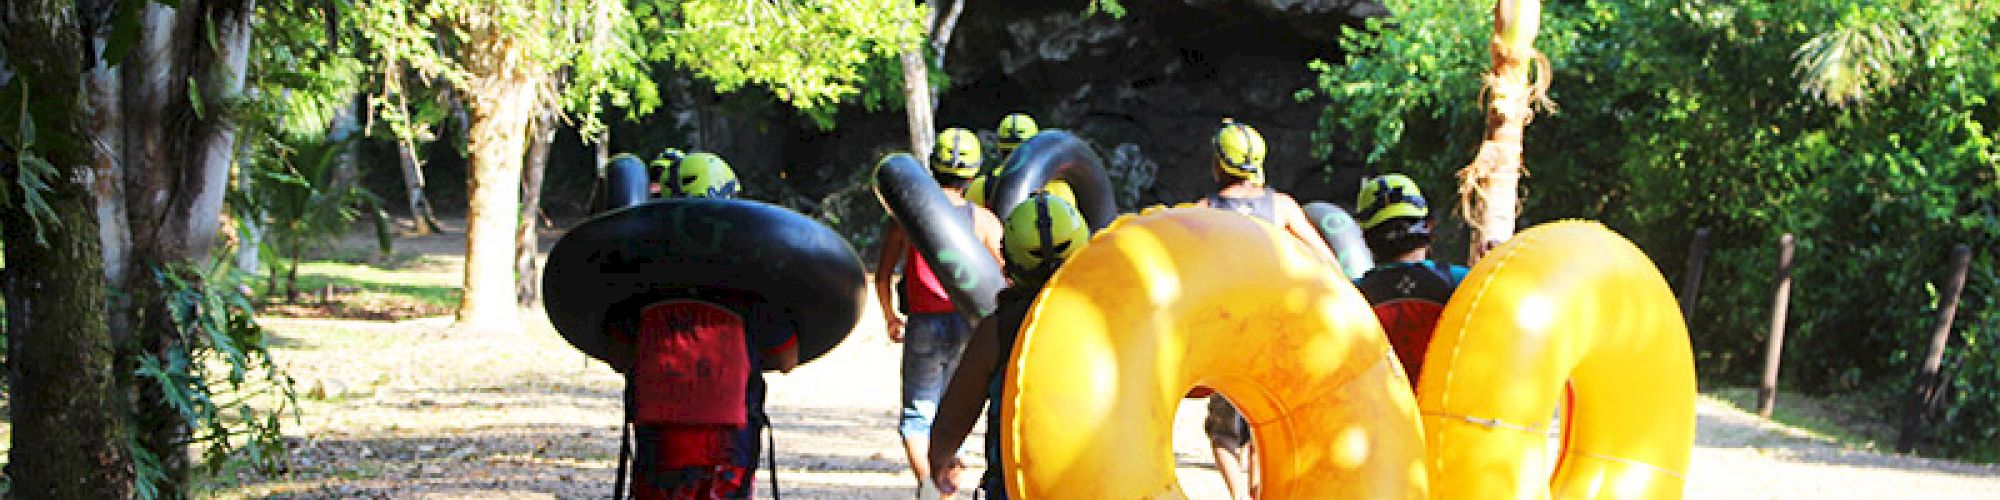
x,y
989,230
784,360
962,401
893,248
1299,225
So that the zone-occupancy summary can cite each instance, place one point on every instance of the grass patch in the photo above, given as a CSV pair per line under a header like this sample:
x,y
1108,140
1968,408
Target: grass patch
x,y
1859,421
411,289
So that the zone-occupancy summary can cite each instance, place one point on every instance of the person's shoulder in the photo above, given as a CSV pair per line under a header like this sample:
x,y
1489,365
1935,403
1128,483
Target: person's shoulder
x,y
1020,293
984,218
1284,198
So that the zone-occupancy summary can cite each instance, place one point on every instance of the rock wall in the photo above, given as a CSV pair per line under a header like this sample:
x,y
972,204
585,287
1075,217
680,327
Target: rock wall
x,y
1153,86
1148,89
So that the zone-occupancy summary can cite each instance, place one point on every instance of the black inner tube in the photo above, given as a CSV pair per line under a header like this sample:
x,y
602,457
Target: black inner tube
x,y
625,184
1055,155
941,234
1343,235
688,247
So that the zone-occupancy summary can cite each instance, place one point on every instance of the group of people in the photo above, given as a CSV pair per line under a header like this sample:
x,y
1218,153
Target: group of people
x,y
950,368
697,430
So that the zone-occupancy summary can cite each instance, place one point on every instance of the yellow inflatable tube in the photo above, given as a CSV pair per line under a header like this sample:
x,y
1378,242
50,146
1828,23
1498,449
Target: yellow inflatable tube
x,y
1568,301
1174,298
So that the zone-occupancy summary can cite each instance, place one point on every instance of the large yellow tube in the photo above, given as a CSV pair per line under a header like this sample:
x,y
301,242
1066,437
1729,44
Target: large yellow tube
x,y
1568,301
1174,298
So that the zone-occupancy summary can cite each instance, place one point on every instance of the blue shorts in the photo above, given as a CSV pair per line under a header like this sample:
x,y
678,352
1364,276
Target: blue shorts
x,y
931,345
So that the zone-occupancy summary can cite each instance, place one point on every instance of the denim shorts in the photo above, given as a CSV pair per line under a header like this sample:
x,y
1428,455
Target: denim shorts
x,y
1224,425
931,345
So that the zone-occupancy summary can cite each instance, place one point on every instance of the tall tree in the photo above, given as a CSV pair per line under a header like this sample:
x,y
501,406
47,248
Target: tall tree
x,y
158,138
500,55
1489,187
69,438
526,242
177,86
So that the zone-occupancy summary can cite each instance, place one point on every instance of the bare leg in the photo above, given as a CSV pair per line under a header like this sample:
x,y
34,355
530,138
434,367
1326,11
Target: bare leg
x,y
919,453
1229,461
1256,469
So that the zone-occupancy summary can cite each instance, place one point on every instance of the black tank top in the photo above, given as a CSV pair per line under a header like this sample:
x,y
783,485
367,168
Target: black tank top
x,y
1262,207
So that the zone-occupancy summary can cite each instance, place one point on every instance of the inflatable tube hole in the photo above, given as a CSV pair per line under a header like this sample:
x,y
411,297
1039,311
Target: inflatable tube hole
x,y
1195,467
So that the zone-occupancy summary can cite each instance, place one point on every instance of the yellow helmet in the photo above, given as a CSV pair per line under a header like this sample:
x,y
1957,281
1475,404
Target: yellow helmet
x,y
1060,189
697,175
956,153
1040,233
1240,151
1387,197
975,190
1015,129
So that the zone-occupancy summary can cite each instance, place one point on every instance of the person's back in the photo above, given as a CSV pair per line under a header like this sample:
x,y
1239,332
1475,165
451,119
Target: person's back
x,y
1239,170
695,394
1041,233
932,331
1407,290
1240,173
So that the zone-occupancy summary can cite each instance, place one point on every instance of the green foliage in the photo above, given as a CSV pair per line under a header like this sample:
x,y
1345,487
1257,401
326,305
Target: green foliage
x,y
813,54
297,194
1865,128
1111,7
583,50
219,377
29,171
291,184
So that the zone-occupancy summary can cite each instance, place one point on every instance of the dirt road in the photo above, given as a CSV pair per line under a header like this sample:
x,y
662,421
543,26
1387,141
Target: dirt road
x,y
404,410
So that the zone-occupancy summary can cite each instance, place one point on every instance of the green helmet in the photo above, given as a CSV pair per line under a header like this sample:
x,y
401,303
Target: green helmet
x,y
697,175
1239,151
1388,197
1040,233
956,153
1015,129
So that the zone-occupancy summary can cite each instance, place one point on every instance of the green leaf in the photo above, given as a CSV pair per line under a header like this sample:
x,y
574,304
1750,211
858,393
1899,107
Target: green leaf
x,y
194,97
25,134
125,25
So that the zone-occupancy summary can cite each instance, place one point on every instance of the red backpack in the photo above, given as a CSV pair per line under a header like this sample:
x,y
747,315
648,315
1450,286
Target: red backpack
x,y
1408,299
692,366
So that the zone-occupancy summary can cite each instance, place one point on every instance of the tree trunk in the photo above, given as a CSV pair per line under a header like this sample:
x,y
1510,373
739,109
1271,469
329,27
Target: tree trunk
x,y
525,245
917,100
941,34
69,441
1489,187
421,215
68,431
180,141
503,99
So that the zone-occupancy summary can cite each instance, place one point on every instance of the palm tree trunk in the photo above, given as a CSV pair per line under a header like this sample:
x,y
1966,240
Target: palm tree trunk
x,y
1489,187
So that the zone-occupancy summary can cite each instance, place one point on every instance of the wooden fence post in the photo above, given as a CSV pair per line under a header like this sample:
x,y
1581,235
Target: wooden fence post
x,y
1925,393
1767,393
1691,284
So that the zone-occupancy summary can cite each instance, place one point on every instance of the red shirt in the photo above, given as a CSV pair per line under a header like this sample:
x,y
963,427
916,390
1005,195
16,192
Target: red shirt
x,y
922,292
